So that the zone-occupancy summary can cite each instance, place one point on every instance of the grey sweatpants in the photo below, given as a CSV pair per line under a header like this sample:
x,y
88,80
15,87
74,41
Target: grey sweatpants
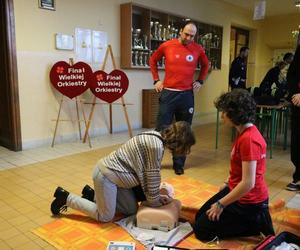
x,y
109,198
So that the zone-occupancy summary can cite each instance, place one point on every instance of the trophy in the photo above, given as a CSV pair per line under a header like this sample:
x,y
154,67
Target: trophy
x,y
172,32
146,58
168,32
134,38
135,58
136,41
139,41
159,32
216,41
175,33
141,58
206,40
156,36
145,41
164,34
151,31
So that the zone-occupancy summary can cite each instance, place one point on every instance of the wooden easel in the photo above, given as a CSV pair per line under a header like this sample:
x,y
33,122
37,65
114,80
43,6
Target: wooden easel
x,y
93,103
77,102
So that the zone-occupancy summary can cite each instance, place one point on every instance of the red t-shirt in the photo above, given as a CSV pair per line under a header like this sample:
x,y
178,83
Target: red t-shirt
x,y
249,146
180,64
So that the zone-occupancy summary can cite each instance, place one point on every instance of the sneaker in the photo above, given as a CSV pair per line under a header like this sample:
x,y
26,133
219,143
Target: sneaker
x,y
88,193
59,203
293,186
179,171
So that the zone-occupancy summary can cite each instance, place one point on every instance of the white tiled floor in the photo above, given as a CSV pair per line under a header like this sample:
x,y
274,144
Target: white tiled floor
x,y
11,159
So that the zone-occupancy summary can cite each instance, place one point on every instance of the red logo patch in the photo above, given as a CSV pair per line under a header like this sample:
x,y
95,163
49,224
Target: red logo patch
x,y
69,80
109,87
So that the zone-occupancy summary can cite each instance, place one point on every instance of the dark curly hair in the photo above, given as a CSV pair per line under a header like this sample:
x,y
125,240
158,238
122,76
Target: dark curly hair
x,y
178,138
238,105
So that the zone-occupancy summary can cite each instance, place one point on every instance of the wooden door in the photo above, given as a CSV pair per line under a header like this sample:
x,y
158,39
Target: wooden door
x,y
10,128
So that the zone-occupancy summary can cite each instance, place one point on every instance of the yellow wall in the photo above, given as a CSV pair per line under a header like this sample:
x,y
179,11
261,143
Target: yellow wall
x,y
35,33
277,31
36,53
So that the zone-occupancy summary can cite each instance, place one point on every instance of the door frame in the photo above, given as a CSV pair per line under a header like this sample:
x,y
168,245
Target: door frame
x,y
14,139
240,31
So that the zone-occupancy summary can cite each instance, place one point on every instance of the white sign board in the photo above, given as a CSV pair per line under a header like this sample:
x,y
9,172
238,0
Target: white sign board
x,y
259,10
90,45
99,46
83,45
64,42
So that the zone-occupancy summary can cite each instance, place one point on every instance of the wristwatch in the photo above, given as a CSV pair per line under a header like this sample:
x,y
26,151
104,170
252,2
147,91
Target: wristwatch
x,y
155,81
220,205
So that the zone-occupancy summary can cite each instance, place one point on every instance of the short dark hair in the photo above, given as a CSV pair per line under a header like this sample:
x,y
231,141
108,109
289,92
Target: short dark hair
x,y
238,105
182,26
287,56
244,49
179,137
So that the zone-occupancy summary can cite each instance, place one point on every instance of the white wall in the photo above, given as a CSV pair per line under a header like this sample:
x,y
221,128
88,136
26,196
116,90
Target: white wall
x,y
36,53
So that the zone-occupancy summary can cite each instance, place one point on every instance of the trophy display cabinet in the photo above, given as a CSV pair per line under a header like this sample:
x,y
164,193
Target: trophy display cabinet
x,y
143,29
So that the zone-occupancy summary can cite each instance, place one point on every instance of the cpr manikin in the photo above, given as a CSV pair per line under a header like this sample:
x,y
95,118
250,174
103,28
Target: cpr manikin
x,y
162,218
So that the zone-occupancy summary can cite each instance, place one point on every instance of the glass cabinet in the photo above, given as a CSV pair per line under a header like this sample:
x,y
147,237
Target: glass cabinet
x,y
143,29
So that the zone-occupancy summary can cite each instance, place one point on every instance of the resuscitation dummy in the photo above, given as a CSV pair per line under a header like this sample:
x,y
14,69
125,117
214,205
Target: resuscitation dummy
x,y
163,218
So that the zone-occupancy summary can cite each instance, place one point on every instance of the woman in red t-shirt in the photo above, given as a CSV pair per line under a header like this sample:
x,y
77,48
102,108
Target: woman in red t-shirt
x,y
241,206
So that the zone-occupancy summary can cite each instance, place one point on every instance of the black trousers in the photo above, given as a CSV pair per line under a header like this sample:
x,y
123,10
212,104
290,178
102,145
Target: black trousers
x,y
178,104
295,145
236,220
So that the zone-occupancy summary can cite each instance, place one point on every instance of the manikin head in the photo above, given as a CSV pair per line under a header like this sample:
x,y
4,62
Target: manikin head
x,y
166,189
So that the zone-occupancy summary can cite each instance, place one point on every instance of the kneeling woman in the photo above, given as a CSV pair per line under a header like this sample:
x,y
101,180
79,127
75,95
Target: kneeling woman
x,y
241,206
137,163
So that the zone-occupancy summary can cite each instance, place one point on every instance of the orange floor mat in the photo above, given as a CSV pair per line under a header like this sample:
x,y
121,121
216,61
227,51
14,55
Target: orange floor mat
x,y
77,231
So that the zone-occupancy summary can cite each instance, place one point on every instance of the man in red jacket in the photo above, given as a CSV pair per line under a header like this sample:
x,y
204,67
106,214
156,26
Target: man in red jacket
x,y
182,56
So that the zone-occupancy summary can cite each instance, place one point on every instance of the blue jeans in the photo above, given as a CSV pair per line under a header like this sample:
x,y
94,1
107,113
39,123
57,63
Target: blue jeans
x,y
178,104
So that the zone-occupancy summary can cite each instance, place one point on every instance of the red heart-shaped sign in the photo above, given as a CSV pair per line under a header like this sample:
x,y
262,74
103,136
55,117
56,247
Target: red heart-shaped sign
x,y
73,80
109,87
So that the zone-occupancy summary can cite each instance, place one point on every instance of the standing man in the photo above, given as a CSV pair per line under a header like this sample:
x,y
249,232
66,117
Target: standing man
x,y
238,70
182,56
293,79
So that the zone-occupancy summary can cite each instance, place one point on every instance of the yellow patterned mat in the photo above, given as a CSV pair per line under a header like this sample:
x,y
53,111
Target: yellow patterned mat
x,y
77,231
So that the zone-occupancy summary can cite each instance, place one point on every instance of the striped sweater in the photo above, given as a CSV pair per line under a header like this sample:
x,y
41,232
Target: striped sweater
x,y
138,162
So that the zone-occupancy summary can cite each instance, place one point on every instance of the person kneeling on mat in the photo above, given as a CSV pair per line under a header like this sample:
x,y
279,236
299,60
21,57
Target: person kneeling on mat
x,y
136,163
240,208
